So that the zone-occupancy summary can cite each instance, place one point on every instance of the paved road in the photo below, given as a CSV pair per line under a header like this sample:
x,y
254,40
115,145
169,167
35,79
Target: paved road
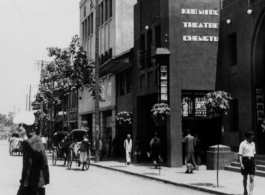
x,y
96,181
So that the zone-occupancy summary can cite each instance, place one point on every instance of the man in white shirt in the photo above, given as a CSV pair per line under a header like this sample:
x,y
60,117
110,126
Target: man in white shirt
x,y
246,154
44,141
128,148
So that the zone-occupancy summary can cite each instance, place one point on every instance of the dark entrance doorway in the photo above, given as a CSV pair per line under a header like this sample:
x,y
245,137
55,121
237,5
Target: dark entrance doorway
x,y
207,131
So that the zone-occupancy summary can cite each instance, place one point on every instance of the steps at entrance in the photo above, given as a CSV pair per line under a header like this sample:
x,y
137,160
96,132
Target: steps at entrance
x,y
260,166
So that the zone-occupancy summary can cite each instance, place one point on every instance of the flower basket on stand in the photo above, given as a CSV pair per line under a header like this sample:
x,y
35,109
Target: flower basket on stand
x,y
160,111
124,118
217,103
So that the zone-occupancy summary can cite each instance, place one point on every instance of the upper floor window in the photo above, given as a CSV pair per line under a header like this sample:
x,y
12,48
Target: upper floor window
x,y
232,49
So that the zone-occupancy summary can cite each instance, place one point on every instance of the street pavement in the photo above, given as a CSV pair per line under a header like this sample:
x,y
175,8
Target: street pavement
x,y
96,181
230,183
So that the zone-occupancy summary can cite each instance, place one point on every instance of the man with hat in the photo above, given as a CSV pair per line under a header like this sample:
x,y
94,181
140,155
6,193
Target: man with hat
x,y
35,171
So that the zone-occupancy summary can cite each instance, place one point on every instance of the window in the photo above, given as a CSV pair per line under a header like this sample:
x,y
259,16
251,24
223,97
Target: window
x,y
88,26
86,29
83,31
122,84
142,48
149,78
234,115
158,36
110,8
232,49
91,23
101,13
142,81
106,10
149,44
129,81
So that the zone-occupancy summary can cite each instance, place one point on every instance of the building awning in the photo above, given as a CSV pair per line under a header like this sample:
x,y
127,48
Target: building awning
x,y
161,51
117,63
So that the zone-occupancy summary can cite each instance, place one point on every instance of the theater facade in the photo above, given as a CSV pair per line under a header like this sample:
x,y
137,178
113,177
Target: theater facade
x,y
175,47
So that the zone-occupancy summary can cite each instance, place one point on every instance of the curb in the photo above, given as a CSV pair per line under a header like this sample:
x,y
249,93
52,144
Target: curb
x,y
163,180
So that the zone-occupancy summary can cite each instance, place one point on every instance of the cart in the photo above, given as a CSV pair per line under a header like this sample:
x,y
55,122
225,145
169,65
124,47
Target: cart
x,y
76,138
57,153
15,145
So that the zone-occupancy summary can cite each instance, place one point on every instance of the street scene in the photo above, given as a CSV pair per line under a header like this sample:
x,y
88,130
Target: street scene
x,y
132,97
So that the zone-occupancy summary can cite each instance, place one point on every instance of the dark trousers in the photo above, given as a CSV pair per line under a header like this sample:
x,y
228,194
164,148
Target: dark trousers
x,y
30,191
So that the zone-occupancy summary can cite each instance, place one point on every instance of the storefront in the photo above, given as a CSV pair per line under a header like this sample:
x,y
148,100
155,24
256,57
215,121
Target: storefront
x,y
107,107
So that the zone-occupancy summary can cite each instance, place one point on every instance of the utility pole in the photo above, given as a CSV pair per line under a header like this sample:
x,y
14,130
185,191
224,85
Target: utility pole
x,y
29,97
27,103
97,120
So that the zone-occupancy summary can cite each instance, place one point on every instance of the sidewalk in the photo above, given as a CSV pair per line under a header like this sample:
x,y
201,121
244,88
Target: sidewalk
x,y
230,183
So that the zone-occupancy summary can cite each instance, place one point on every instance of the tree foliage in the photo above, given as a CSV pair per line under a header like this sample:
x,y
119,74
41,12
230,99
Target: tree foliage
x,y
65,72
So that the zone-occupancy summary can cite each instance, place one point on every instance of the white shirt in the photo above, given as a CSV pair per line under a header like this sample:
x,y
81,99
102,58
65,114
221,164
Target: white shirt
x,y
43,139
247,149
128,145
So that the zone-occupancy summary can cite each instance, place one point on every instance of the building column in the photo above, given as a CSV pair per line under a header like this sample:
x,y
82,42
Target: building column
x,y
113,119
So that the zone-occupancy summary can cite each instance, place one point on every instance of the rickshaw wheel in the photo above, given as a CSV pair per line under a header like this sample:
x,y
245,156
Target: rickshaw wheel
x,y
54,157
70,159
87,163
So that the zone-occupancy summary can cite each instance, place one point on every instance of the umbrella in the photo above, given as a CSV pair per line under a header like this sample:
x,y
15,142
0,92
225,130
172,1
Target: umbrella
x,y
25,117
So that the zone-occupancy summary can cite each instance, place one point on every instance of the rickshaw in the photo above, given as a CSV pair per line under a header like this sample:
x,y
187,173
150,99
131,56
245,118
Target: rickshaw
x,y
15,144
57,153
76,137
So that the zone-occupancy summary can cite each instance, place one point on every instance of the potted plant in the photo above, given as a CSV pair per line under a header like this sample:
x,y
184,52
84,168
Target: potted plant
x,y
124,118
160,111
217,103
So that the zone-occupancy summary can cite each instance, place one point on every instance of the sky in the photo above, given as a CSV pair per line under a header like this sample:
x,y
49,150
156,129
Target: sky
x,y
27,28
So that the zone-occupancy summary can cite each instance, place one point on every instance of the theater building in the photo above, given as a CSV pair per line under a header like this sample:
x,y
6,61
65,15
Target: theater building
x,y
241,69
176,46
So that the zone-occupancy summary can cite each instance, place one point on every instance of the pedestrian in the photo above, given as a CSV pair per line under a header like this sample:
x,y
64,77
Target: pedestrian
x,y
246,155
189,152
152,140
109,146
64,145
197,151
44,141
116,147
155,151
138,149
35,171
84,151
128,148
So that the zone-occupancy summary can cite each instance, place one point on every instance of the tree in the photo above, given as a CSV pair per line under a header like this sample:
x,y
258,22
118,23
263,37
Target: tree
x,y
3,118
217,103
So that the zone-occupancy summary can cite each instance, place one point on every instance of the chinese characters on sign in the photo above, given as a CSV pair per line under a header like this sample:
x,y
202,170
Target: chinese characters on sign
x,y
163,83
193,104
108,93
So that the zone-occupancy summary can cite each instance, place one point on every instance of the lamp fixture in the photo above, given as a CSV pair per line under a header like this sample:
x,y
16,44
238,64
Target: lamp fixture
x,y
146,27
228,21
249,11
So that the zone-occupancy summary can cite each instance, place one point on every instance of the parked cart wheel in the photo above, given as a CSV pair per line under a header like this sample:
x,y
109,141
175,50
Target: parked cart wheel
x,y
70,159
54,157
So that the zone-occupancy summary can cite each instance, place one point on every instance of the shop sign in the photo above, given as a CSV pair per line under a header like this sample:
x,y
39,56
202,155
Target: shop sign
x,y
201,25
193,104
108,91
72,116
